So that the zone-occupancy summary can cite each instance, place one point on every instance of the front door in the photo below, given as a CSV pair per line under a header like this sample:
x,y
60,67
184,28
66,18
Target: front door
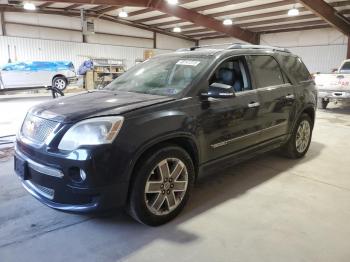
x,y
230,124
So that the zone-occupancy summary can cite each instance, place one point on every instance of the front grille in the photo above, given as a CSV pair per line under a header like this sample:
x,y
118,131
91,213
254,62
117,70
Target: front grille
x,y
45,191
37,129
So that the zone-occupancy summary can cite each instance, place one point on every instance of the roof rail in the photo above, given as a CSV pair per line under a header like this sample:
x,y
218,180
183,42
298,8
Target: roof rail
x,y
201,46
237,46
249,46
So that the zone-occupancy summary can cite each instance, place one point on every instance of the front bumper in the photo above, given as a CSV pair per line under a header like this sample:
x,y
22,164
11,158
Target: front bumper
x,y
52,185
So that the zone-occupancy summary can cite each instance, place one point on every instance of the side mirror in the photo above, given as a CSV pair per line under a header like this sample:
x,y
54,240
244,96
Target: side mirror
x,y
218,90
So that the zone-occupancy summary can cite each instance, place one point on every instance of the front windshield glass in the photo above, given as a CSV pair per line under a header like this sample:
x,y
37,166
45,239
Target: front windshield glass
x,y
164,75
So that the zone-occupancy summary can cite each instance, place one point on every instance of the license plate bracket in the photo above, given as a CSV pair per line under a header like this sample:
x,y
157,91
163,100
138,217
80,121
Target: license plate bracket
x,y
21,168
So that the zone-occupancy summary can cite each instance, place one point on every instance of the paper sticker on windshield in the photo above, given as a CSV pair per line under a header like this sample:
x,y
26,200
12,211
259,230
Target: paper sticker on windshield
x,y
188,62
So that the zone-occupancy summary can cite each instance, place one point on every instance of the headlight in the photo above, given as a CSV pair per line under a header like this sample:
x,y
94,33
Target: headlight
x,y
94,131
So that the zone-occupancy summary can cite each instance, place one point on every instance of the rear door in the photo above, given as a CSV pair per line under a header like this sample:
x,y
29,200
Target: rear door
x,y
276,95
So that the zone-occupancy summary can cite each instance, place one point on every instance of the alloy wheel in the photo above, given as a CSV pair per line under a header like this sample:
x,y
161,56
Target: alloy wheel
x,y
166,186
60,83
303,136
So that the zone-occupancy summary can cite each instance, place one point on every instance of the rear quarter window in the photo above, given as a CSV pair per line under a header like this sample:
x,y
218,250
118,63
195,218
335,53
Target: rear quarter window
x,y
266,71
295,67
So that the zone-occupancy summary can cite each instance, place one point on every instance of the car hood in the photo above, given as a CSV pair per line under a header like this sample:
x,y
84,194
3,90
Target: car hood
x,y
96,103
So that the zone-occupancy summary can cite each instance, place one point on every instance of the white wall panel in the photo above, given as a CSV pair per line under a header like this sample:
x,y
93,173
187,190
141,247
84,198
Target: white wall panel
x,y
173,43
36,49
107,27
44,20
218,40
119,40
43,33
321,49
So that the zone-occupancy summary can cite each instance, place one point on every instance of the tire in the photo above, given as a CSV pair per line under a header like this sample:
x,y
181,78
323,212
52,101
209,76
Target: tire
x,y
291,149
322,104
152,193
60,83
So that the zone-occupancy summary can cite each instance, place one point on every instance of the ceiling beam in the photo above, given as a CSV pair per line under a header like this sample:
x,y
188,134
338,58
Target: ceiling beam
x,y
291,20
146,10
46,4
328,13
205,21
223,4
297,29
282,30
109,9
264,15
277,27
73,6
141,3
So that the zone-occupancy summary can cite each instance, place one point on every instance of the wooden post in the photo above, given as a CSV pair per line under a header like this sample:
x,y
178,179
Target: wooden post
x,y
3,26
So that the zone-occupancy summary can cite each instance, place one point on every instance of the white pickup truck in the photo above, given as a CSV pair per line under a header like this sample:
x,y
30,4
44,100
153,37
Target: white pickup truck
x,y
335,86
26,75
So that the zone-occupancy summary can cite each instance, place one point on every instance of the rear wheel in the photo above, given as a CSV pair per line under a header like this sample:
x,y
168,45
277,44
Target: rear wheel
x,y
322,104
60,83
300,139
161,186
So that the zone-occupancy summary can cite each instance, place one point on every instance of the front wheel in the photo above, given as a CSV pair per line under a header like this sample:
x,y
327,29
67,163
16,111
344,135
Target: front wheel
x,y
60,83
161,185
299,142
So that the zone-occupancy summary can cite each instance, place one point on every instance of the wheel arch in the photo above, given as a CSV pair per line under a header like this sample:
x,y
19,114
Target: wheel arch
x,y
58,75
184,141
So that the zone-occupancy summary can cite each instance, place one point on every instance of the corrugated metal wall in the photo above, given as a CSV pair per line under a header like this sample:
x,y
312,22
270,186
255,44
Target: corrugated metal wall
x,y
321,58
28,49
321,49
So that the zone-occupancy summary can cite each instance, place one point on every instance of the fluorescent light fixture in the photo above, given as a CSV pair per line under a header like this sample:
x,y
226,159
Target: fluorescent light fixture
x,y
177,29
173,2
29,6
293,12
123,14
227,22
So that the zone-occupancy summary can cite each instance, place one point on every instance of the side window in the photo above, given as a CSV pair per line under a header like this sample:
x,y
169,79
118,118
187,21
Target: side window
x,y
266,71
233,72
296,68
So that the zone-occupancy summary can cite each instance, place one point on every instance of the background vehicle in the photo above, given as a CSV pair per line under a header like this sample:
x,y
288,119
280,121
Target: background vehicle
x,y
22,75
335,86
142,141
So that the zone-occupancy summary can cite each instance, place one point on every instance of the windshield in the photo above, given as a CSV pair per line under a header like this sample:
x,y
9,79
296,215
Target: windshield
x,y
167,75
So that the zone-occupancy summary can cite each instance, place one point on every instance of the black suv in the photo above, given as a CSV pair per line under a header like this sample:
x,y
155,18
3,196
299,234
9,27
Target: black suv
x,y
142,141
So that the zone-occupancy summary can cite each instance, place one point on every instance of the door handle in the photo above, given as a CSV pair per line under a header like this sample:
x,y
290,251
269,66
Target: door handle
x,y
290,97
253,104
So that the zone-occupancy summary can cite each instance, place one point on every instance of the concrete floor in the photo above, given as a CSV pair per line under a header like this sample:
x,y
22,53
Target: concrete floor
x,y
266,209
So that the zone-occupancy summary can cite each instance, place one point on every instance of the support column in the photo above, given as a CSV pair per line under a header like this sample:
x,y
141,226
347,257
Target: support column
x,y
348,52
154,40
3,27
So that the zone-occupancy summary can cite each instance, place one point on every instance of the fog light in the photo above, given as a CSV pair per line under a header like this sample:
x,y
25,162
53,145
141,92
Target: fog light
x,y
82,174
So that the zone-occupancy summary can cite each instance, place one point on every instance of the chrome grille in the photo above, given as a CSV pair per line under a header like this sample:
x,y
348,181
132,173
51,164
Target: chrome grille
x,y
37,129
45,191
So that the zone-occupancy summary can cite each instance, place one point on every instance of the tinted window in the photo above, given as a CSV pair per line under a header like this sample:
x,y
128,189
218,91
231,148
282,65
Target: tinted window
x,y
232,72
296,68
345,67
266,71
